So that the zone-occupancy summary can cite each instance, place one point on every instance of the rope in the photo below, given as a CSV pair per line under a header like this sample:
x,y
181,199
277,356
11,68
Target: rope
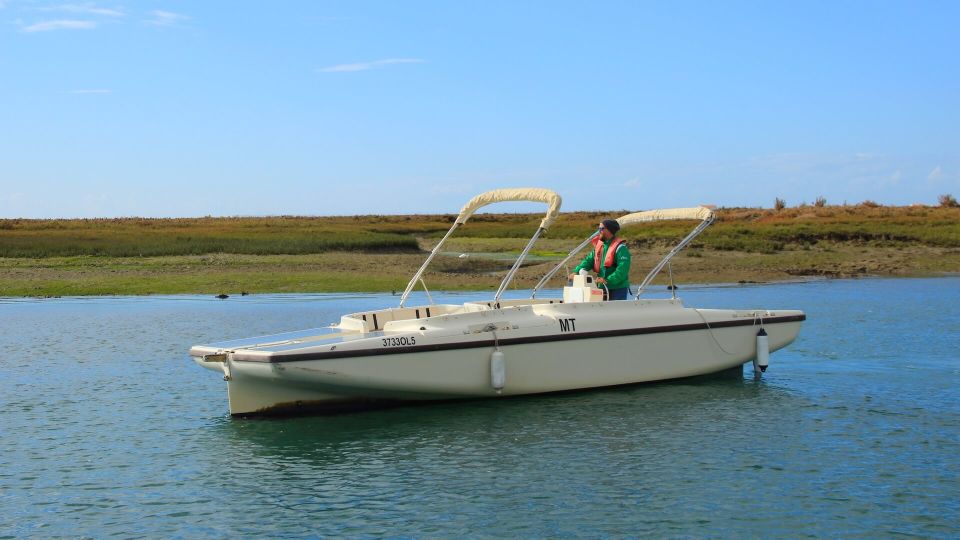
x,y
702,318
757,315
493,328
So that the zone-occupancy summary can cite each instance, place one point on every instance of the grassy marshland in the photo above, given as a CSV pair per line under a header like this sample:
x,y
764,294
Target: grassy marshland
x,y
379,253
138,237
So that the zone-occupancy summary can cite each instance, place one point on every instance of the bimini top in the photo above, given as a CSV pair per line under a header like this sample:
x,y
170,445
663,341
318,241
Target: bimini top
x,y
543,195
546,196
701,213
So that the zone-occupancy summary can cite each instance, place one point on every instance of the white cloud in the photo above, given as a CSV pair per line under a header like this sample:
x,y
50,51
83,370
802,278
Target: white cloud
x,y
92,91
935,174
632,183
364,66
896,176
86,9
166,18
47,26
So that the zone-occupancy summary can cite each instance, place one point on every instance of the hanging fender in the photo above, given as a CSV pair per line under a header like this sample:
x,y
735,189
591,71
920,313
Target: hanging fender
x,y
762,360
498,370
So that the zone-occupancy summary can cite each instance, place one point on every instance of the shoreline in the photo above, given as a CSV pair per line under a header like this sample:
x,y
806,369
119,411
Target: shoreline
x,y
659,288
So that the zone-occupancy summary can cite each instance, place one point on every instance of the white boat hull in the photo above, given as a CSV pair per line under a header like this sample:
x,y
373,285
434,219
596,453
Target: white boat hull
x,y
547,348
501,347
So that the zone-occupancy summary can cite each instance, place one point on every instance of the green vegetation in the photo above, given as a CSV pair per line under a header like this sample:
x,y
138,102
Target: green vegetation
x,y
136,237
752,230
379,253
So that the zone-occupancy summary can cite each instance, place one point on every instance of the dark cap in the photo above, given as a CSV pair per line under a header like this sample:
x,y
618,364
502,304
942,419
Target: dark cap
x,y
611,225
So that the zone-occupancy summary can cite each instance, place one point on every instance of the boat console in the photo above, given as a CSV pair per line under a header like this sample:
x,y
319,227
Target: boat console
x,y
582,288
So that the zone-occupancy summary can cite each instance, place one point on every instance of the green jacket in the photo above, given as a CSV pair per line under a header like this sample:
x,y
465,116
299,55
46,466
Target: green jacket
x,y
617,276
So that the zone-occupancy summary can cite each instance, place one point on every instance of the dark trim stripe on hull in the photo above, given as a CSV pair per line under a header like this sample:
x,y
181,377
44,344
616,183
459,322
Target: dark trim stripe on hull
x,y
329,355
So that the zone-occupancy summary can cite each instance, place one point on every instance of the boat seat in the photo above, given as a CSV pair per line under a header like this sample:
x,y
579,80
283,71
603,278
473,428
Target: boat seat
x,y
372,321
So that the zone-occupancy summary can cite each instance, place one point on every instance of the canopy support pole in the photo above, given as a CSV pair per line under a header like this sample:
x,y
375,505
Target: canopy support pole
x,y
416,277
516,265
543,281
683,243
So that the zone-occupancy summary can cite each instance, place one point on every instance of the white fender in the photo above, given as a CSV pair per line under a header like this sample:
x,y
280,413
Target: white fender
x,y
498,371
762,359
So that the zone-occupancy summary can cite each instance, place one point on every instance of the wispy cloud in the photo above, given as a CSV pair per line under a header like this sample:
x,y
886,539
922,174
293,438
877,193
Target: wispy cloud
x,y
632,183
47,26
92,91
364,66
86,9
935,174
166,18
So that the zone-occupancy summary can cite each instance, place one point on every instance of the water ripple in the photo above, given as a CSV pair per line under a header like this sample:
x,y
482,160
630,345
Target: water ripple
x,y
108,430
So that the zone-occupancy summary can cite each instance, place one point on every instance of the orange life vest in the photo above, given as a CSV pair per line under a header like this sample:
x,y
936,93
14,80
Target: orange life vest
x,y
609,260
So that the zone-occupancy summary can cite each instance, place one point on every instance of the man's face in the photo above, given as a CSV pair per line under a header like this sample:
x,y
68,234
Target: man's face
x,y
604,233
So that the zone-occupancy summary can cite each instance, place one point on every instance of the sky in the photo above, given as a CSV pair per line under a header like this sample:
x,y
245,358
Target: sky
x,y
225,108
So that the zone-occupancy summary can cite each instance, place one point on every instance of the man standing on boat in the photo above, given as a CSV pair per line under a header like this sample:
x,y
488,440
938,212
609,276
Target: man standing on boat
x,y
610,260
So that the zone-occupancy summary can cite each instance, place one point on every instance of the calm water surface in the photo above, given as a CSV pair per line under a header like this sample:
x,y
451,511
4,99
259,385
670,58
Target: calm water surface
x,y
108,429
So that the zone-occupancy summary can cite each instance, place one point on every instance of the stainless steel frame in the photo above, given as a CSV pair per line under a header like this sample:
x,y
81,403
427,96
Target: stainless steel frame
x,y
650,276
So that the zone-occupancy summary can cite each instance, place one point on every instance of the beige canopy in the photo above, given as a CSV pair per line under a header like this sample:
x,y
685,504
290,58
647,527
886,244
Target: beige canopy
x,y
701,213
547,196
543,195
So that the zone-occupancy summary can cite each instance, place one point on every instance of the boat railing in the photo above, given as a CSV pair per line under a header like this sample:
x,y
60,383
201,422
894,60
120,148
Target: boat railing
x,y
485,305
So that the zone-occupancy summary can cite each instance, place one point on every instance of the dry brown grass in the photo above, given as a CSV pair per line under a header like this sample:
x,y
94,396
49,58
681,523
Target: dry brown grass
x,y
299,254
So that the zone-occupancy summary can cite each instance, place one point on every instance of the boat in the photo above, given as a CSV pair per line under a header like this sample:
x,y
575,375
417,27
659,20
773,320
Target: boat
x,y
502,346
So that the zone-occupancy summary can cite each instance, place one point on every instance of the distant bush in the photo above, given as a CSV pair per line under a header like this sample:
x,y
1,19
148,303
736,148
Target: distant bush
x,y
779,204
134,237
820,202
870,204
947,201
738,229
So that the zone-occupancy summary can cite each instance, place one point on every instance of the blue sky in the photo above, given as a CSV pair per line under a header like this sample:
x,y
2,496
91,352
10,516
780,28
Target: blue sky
x,y
176,108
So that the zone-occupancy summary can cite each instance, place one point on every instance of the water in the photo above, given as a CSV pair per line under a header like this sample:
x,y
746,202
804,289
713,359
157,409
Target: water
x,y
108,429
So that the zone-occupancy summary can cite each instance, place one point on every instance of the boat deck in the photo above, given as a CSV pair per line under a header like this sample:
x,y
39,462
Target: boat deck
x,y
285,341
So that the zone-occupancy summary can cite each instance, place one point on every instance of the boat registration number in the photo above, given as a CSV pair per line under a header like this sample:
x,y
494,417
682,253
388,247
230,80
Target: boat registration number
x,y
399,341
